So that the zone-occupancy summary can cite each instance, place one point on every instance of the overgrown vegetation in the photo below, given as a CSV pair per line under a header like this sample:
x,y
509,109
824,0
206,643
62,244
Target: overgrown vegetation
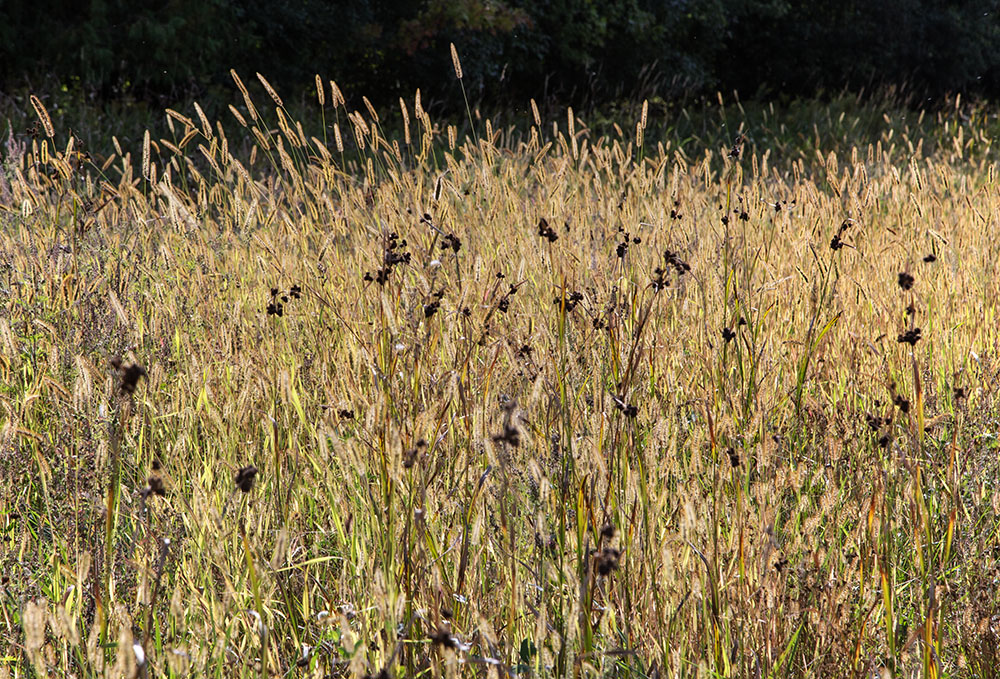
x,y
542,404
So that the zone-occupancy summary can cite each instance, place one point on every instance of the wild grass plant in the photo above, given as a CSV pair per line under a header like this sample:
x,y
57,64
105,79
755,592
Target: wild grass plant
x,y
521,403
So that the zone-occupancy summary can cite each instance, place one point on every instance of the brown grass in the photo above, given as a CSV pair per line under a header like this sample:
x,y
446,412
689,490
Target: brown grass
x,y
548,405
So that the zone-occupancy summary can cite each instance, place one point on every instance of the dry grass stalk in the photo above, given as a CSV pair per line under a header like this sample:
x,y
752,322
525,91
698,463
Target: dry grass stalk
x,y
534,402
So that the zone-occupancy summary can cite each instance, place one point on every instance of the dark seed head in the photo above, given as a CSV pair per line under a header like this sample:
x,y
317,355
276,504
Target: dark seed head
x,y
910,337
905,281
130,377
156,486
510,435
546,231
245,478
607,560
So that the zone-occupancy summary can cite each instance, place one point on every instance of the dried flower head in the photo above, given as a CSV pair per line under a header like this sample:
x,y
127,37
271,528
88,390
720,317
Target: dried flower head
x,y
607,561
546,231
737,147
129,375
910,337
734,457
245,478
155,485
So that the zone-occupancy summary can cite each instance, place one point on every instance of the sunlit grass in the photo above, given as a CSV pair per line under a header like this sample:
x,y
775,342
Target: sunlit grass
x,y
536,402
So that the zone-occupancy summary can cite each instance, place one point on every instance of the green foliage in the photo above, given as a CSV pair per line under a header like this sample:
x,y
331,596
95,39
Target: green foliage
x,y
576,50
931,47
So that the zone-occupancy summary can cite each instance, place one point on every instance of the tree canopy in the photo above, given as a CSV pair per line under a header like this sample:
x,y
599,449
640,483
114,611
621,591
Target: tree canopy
x,y
578,50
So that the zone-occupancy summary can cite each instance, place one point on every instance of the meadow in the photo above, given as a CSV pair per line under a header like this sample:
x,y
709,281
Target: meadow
x,y
540,401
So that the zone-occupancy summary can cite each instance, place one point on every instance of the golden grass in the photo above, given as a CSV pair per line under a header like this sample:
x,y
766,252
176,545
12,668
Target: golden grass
x,y
550,405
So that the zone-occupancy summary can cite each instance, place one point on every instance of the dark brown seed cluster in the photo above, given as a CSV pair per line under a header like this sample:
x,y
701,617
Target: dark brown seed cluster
x,y
451,242
607,560
673,259
875,422
245,478
434,305
546,231
276,307
510,435
910,337
393,254
628,410
728,335
504,304
901,403
627,239
837,241
156,486
572,300
411,455
734,457
905,280
128,374
154,483
779,203
737,147
929,258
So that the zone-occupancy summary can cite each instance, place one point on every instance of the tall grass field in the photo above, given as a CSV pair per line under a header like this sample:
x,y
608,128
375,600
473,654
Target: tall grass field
x,y
392,398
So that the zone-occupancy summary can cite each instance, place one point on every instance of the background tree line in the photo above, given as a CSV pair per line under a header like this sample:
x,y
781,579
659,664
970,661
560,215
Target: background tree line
x,y
578,51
